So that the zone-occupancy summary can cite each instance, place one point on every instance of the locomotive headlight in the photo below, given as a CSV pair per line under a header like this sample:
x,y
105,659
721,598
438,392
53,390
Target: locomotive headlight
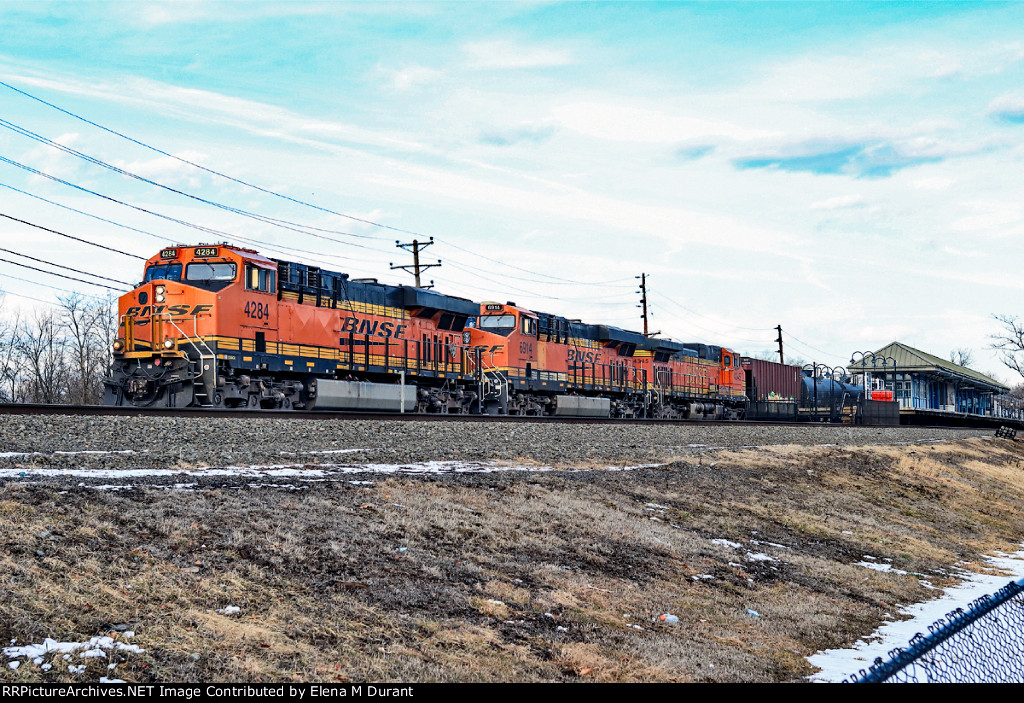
x,y
168,343
118,345
161,292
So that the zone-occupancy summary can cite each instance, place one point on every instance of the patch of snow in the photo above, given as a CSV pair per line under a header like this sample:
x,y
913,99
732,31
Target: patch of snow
x,y
884,568
837,664
759,556
726,543
230,610
93,648
770,544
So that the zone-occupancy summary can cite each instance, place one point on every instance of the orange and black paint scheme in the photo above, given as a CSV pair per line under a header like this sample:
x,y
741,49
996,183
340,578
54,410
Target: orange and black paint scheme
x,y
541,357
221,326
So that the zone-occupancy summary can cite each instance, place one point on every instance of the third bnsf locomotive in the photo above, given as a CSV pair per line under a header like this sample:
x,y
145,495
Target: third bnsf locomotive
x,y
220,326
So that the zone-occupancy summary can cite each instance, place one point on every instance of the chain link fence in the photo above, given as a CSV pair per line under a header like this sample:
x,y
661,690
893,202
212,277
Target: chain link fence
x,y
982,644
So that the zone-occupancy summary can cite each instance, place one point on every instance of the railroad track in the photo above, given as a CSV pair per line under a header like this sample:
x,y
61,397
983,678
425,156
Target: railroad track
x,y
106,410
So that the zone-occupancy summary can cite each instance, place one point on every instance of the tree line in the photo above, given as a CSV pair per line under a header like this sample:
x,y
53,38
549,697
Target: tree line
x,y
59,354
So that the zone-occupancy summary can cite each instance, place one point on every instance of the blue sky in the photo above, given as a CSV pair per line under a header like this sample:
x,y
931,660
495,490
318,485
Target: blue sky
x,y
847,170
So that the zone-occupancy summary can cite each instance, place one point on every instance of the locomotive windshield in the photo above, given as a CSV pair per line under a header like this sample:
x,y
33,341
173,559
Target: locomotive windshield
x,y
498,324
211,275
210,272
163,272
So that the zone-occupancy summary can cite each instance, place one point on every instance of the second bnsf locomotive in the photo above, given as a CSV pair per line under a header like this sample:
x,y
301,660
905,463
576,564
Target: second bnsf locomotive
x,y
220,326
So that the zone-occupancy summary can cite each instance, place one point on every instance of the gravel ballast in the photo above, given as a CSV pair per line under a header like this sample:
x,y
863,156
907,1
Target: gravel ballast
x,y
168,442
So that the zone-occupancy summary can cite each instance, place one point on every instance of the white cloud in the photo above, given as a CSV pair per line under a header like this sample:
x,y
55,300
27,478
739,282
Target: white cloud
x,y
932,183
165,169
992,217
503,54
1008,106
839,202
605,120
409,77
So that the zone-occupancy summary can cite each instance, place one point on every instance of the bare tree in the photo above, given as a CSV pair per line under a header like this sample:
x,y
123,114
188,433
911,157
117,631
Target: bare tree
x,y
962,357
88,347
8,359
41,348
1009,342
791,359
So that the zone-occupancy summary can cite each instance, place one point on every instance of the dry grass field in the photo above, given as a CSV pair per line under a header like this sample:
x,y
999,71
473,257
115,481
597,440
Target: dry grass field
x,y
509,576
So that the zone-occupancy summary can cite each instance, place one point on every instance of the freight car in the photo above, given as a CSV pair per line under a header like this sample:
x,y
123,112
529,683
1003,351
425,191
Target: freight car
x,y
221,326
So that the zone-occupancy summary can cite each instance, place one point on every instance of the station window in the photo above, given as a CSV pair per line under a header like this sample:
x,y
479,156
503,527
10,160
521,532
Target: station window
x,y
263,280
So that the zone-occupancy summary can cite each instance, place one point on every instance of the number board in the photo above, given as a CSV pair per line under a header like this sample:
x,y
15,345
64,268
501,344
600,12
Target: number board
x,y
169,254
493,306
204,252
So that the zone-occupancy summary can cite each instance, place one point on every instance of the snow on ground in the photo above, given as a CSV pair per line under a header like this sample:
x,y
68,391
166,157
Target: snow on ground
x,y
837,664
49,651
301,472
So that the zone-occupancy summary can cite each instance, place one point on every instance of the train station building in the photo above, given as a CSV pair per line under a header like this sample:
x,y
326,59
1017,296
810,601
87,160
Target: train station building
x,y
922,381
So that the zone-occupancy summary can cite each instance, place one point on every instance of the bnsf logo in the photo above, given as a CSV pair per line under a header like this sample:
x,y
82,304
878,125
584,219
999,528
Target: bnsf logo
x,y
587,357
178,310
382,329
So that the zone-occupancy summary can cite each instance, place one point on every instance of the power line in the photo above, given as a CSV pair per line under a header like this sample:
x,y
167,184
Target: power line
x,y
694,312
29,297
245,240
283,224
822,351
66,268
263,218
77,239
54,273
538,273
204,168
185,223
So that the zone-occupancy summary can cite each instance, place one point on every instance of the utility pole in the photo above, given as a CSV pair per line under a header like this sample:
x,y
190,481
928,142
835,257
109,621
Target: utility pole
x,y
782,359
643,302
416,246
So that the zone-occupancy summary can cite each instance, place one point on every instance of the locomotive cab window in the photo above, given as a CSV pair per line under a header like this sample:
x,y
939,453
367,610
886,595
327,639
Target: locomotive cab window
x,y
498,324
222,271
163,272
260,279
211,275
529,326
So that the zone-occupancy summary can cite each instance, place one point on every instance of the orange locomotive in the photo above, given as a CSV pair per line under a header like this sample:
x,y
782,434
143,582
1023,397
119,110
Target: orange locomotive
x,y
548,365
222,326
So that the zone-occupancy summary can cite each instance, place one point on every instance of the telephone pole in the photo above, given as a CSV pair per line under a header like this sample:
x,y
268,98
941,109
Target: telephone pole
x,y
416,246
782,359
643,302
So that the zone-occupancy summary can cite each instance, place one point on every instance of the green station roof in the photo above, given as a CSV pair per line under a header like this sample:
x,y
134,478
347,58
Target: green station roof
x,y
910,359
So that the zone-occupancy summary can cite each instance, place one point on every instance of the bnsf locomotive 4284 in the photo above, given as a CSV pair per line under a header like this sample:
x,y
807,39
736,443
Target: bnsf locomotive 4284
x,y
219,326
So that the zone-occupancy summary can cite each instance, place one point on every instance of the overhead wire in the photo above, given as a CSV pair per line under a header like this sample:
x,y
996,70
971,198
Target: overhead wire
x,y
204,168
562,280
185,223
66,268
69,236
54,273
284,224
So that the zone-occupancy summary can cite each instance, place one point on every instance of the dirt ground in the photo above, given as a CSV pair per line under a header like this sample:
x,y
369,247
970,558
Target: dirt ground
x,y
507,576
